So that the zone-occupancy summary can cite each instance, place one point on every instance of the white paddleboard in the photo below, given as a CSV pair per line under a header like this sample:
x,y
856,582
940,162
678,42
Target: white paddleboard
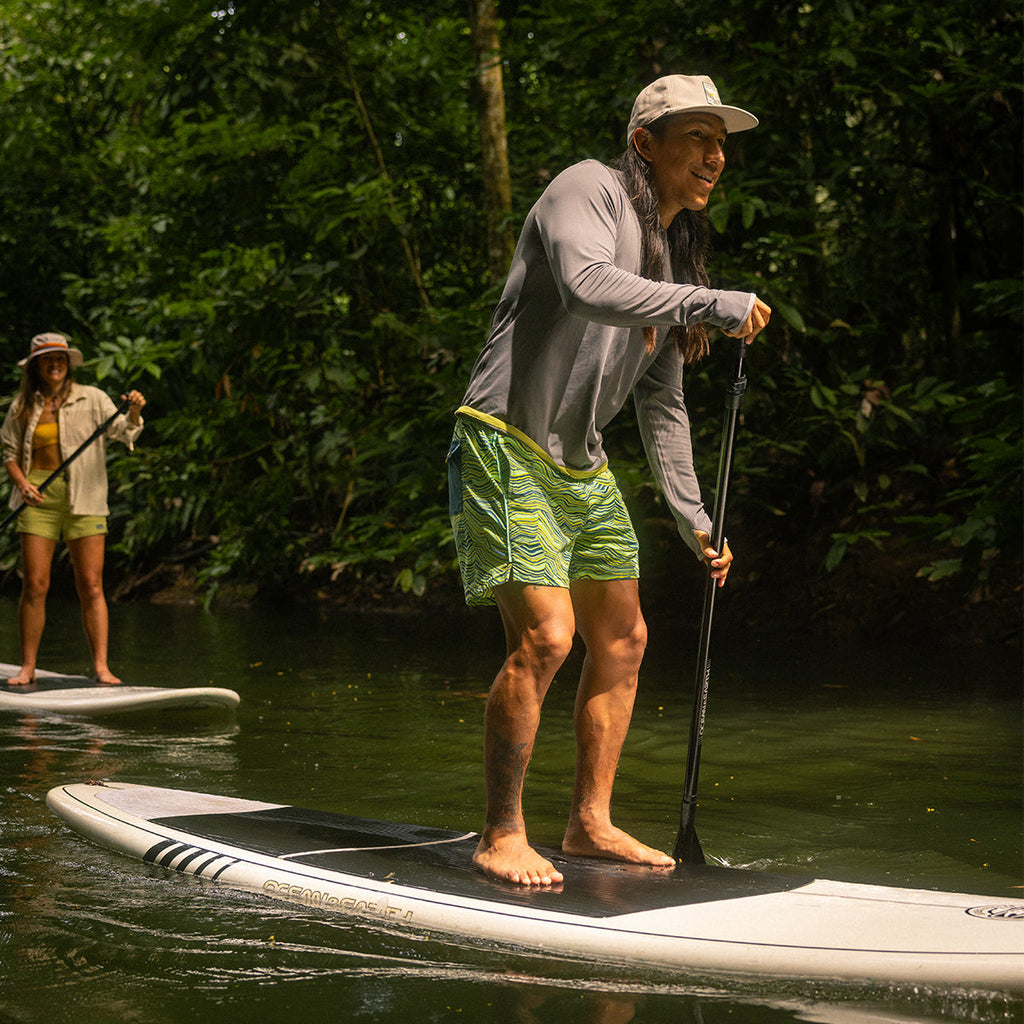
x,y
78,695
696,919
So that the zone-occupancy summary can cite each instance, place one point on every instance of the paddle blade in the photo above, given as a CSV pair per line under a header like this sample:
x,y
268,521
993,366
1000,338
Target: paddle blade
x,y
688,849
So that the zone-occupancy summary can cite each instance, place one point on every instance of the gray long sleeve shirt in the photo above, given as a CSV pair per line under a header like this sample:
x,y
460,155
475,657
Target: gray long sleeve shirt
x,y
566,346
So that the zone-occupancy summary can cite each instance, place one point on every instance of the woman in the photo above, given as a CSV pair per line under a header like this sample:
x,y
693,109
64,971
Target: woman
x,y
48,419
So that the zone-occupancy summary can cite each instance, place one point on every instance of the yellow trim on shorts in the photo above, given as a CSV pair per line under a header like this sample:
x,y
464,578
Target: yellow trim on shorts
x,y
507,428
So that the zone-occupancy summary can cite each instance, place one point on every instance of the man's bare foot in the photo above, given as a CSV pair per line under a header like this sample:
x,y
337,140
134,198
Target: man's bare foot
x,y
24,677
511,859
107,678
613,844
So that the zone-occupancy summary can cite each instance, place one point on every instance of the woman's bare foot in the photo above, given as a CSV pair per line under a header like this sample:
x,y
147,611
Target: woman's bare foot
x,y
512,859
613,844
24,677
107,678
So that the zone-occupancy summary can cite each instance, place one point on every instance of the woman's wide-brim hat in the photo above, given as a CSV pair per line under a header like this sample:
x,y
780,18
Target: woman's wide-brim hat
x,y
52,342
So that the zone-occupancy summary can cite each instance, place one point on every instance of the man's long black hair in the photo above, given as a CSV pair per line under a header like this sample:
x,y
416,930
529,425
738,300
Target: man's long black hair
x,y
689,237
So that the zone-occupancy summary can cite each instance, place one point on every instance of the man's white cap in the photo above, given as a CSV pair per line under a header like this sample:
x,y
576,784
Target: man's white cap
x,y
685,94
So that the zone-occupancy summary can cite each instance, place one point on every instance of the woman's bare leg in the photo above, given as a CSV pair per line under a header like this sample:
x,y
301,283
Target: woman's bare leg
x,y
87,554
36,559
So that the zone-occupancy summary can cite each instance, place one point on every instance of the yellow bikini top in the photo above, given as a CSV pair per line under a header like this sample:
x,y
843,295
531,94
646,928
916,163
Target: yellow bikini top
x,y
46,434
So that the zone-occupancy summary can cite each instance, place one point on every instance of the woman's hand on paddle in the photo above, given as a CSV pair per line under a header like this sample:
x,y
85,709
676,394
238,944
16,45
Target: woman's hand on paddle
x,y
755,323
30,494
719,563
136,403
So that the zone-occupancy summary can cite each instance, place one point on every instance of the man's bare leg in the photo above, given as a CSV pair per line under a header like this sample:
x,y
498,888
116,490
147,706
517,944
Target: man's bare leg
x,y
539,630
611,624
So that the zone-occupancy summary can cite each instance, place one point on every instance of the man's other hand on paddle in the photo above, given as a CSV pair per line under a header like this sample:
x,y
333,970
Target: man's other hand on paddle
x,y
719,563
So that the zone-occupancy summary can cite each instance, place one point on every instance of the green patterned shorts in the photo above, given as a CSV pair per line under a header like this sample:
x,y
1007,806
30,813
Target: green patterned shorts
x,y
517,516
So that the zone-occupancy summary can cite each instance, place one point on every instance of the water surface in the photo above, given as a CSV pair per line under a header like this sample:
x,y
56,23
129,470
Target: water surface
x,y
897,766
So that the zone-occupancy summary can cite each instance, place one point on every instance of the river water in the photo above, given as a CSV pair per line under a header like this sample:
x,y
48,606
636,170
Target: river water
x,y
899,766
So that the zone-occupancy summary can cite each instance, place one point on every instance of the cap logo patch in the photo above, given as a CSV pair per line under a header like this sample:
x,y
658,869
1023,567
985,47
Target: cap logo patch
x,y
711,94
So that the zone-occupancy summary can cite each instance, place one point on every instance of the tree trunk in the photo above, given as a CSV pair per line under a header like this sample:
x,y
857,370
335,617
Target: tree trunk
x,y
483,20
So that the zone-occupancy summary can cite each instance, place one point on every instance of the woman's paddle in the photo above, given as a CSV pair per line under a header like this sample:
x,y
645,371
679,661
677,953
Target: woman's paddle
x,y
688,848
121,410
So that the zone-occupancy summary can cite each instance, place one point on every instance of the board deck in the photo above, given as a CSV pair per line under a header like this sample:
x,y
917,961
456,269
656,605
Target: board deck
x,y
695,919
79,695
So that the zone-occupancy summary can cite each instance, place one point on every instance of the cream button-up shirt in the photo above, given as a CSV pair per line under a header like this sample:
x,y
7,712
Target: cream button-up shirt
x,y
84,408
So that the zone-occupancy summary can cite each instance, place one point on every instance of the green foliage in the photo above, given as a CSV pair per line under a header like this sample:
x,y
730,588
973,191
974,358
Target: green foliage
x,y
269,218
920,462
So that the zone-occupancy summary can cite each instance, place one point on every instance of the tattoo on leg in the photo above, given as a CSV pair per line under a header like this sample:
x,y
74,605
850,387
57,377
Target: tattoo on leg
x,y
506,772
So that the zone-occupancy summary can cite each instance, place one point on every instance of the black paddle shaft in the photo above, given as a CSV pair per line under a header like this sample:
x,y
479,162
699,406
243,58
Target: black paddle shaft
x,y
688,849
121,410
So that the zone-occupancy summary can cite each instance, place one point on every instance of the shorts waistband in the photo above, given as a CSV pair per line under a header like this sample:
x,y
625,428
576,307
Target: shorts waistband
x,y
494,423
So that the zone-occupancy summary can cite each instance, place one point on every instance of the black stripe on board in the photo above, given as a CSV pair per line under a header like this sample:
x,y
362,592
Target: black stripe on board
x,y
165,852
211,859
440,861
43,684
153,852
184,863
223,868
165,858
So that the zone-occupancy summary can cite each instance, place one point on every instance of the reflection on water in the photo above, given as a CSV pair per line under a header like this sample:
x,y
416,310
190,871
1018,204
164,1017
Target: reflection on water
x,y
895,767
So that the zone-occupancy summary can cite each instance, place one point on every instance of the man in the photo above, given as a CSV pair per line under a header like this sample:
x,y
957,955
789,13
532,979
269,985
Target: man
x,y
590,314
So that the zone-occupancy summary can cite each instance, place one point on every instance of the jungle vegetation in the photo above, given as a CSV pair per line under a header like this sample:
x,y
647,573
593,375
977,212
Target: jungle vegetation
x,y
287,223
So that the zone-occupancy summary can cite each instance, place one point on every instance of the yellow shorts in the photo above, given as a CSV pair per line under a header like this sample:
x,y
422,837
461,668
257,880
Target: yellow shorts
x,y
53,519
517,516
